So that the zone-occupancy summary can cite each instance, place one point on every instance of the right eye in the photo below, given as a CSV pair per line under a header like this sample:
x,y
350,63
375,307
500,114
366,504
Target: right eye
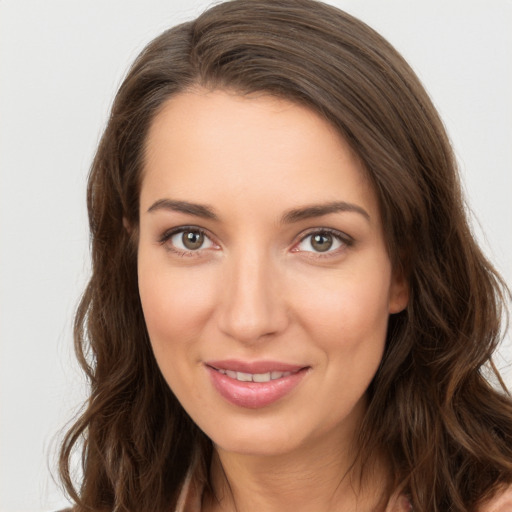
x,y
187,240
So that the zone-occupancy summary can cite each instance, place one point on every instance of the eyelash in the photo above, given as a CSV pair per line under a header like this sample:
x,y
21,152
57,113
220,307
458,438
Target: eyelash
x,y
183,229
344,239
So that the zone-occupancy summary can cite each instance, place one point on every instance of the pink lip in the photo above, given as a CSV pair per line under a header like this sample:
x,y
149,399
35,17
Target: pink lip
x,y
253,395
254,366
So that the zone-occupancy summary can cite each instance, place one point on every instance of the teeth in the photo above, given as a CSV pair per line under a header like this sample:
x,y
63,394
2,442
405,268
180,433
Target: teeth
x,y
278,375
254,377
244,377
261,377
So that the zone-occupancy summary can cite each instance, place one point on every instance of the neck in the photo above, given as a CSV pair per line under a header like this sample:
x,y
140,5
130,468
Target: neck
x,y
321,477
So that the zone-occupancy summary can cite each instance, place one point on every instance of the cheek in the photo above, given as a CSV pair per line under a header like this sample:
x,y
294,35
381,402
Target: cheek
x,y
176,307
175,304
347,310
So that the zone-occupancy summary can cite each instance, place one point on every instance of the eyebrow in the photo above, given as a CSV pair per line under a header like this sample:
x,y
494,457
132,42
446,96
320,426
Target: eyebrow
x,y
289,217
198,210
318,210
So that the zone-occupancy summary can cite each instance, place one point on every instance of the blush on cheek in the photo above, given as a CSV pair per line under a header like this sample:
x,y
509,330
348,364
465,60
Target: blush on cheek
x,y
350,320
174,307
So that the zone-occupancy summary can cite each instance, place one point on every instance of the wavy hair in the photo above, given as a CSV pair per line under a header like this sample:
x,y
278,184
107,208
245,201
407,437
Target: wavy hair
x,y
445,430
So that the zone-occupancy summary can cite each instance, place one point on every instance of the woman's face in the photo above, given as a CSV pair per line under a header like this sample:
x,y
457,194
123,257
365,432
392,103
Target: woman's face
x,y
263,273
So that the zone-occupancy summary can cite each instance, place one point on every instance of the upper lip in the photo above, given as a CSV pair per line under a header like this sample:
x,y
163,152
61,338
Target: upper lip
x,y
254,367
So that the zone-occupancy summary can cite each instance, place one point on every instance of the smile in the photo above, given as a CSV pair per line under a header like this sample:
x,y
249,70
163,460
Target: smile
x,y
254,385
254,377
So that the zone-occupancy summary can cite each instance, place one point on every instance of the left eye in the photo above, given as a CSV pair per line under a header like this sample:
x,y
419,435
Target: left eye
x,y
321,241
190,240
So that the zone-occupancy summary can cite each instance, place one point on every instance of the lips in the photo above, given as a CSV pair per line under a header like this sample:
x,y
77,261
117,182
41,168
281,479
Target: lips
x,y
254,384
254,377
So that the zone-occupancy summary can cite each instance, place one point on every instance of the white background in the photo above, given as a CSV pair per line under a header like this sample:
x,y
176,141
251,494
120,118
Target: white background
x,y
61,62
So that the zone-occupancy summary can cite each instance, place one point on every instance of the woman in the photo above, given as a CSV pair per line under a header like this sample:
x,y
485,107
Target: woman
x,y
287,309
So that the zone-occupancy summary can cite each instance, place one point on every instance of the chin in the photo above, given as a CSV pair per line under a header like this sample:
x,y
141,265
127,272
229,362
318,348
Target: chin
x,y
255,438
261,447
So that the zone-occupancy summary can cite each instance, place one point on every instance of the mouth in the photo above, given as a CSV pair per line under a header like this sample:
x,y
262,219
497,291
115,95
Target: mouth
x,y
254,377
256,384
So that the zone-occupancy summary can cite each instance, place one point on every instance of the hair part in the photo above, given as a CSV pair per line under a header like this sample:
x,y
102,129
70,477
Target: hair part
x,y
446,432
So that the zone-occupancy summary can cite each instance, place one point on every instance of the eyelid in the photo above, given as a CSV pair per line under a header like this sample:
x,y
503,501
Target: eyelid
x,y
346,240
168,234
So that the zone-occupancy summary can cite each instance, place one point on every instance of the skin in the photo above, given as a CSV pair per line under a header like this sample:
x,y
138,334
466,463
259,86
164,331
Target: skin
x,y
257,289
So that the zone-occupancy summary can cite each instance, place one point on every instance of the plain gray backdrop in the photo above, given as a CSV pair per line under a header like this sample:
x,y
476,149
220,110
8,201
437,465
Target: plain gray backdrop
x,y
61,62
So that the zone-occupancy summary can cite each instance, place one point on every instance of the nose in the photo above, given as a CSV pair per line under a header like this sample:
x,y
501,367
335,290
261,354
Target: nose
x,y
252,306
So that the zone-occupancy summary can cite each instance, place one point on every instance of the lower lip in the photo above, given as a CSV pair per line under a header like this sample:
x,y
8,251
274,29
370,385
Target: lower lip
x,y
253,395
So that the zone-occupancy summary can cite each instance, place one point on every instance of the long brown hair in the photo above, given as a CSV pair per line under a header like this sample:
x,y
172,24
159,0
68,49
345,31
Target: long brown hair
x,y
446,432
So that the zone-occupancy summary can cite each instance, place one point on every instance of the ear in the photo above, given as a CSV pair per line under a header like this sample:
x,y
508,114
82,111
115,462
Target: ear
x,y
398,293
127,225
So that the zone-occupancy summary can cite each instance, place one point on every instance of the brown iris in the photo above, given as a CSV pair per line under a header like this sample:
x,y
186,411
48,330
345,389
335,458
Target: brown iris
x,y
192,240
321,242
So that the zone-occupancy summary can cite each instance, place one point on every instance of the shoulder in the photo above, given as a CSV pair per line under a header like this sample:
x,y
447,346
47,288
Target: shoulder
x,y
502,502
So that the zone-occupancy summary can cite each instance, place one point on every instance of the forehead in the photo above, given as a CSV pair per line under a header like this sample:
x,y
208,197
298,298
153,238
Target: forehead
x,y
218,145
